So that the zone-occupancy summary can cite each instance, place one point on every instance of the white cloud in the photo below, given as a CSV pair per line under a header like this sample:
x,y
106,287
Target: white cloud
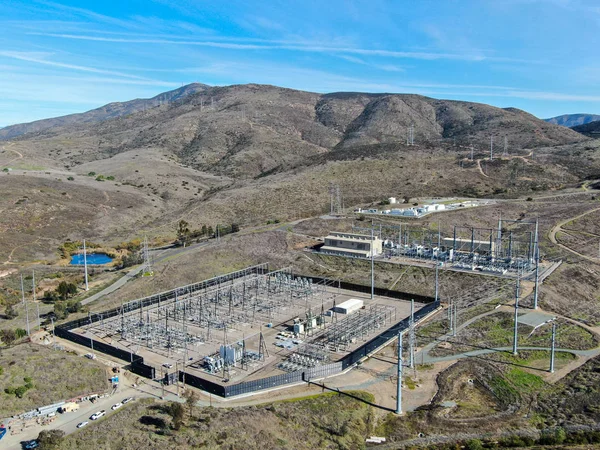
x,y
300,47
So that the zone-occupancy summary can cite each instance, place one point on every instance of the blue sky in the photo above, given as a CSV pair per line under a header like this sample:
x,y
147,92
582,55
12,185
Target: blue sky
x,y
70,56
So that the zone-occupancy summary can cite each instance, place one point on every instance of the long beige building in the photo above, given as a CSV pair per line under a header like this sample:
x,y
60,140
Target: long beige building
x,y
351,244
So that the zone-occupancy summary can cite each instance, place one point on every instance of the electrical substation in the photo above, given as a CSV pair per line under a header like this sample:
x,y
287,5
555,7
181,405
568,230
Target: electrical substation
x,y
511,249
246,325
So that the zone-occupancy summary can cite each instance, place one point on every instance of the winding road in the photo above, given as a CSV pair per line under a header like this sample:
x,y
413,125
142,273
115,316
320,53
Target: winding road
x,y
558,227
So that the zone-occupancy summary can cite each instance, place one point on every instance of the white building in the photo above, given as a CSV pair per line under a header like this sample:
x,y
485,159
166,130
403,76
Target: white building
x,y
349,306
351,244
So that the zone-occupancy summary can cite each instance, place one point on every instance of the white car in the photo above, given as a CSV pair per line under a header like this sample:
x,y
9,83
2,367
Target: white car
x,y
167,365
97,415
127,400
116,406
82,424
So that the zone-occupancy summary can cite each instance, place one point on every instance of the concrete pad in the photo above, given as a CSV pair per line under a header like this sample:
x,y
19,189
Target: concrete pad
x,y
535,319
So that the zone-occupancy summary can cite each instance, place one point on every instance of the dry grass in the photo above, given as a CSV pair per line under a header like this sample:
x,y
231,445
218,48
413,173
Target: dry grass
x,y
56,375
325,422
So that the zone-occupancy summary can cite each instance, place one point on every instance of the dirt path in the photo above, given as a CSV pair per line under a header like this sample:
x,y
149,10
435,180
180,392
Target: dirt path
x,y
558,227
480,168
20,155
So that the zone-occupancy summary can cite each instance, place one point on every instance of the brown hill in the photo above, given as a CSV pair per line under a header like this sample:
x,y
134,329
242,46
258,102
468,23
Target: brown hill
x,y
103,113
253,129
256,153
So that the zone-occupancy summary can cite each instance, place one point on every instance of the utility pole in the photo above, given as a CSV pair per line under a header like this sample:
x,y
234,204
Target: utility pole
x,y
87,288
399,385
26,308
537,266
38,316
53,335
437,282
33,284
515,334
471,152
22,290
91,337
491,148
454,318
372,265
552,347
411,336
505,153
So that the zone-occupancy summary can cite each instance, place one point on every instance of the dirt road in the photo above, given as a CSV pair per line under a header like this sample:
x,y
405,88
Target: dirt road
x,y
558,227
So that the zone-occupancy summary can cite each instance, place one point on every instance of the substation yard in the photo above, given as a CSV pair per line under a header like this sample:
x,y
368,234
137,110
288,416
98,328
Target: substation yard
x,y
240,327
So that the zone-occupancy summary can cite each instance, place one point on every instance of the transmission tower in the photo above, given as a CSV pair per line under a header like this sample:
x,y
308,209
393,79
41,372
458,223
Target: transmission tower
x,y
335,199
410,135
146,254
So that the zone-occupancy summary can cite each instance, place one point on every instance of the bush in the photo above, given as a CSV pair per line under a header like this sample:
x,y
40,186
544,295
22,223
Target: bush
x,y
10,312
474,444
91,174
20,391
70,178
50,439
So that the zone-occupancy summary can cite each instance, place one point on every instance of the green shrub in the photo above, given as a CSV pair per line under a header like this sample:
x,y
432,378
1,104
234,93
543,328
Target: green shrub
x,y
70,178
474,444
91,174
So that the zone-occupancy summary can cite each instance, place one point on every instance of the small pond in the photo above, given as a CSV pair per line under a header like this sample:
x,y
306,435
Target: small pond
x,y
92,258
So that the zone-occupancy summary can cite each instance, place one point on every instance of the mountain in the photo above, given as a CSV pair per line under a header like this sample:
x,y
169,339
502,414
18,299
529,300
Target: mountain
x,y
591,129
105,112
573,120
248,130
249,154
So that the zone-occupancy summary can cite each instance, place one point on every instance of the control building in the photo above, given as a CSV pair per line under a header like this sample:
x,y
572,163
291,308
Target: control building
x,y
351,244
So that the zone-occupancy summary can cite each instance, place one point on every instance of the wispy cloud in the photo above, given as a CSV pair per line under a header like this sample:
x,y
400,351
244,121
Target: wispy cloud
x,y
275,45
40,58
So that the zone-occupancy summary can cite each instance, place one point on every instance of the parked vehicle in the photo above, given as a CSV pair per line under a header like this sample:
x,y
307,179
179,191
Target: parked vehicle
x,y
82,424
116,406
31,444
97,415
127,400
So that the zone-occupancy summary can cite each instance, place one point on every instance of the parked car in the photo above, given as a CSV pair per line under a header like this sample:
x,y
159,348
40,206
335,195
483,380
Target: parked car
x,y
31,444
116,406
82,424
127,400
167,365
97,415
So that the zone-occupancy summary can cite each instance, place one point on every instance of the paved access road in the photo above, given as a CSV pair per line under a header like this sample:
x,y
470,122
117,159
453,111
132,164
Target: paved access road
x,y
68,422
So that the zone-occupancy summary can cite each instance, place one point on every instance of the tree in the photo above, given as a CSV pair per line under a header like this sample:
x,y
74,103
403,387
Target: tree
x,y
8,337
10,312
191,398
235,227
183,232
176,411
50,439
60,310
203,230
65,290
210,231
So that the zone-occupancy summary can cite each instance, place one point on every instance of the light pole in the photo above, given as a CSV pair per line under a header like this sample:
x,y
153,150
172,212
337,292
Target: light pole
x,y
552,347
399,385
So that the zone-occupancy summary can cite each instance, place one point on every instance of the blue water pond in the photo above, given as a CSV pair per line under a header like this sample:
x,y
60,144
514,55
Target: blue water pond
x,y
92,258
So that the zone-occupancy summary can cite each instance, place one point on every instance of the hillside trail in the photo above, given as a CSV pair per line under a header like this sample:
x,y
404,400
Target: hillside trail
x,y
20,155
524,158
558,227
